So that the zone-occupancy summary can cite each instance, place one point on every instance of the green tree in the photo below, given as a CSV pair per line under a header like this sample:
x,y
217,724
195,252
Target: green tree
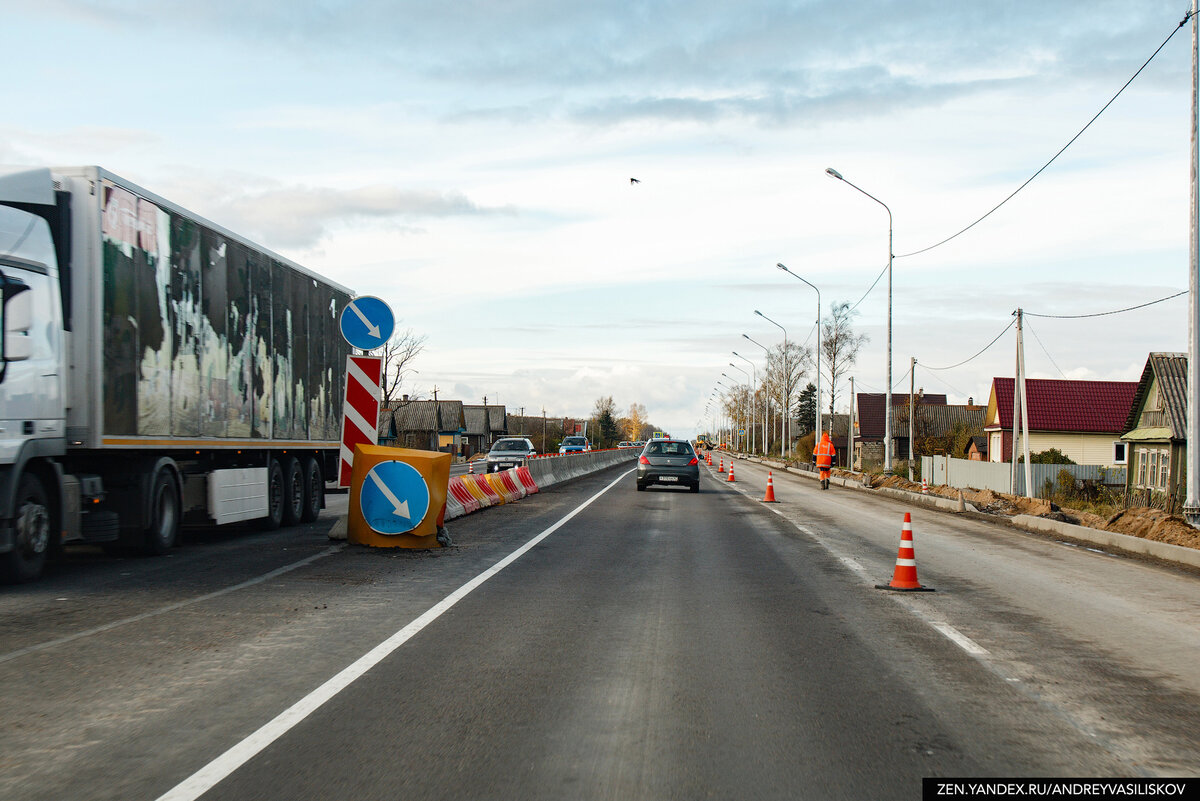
x,y
1048,456
806,410
608,433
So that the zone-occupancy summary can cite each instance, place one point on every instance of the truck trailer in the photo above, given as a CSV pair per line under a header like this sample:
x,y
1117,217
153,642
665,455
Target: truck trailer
x,y
156,368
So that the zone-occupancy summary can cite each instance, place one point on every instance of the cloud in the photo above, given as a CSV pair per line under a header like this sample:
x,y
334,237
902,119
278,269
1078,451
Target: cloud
x,y
300,217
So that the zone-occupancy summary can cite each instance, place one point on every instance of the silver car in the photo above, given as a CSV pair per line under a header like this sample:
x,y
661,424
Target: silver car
x,y
509,452
668,461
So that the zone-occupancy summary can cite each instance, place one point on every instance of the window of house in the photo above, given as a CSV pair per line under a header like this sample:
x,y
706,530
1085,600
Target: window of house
x,y
1119,453
1164,469
1143,456
1152,473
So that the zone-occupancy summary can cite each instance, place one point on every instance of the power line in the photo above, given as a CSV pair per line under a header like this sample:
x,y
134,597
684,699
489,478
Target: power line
x,y
1043,347
945,383
1059,153
868,292
1103,314
980,353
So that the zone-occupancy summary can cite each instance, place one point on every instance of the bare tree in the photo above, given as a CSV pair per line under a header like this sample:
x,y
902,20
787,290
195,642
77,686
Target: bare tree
x,y
398,353
785,369
840,345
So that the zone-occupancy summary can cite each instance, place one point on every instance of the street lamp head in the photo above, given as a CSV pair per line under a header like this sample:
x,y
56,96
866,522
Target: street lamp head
x,y
760,314
834,173
780,266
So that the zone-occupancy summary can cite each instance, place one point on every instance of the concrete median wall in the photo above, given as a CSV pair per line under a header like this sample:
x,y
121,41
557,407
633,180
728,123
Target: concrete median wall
x,y
543,471
556,468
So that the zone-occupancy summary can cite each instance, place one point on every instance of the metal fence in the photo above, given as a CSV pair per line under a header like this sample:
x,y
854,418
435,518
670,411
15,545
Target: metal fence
x,y
997,476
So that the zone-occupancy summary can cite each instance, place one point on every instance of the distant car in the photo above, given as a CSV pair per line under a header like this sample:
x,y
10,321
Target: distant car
x,y
574,445
624,444
669,461
509,452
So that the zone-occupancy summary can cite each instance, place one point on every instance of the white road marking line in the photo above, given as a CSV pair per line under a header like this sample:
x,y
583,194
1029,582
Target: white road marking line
x,y
207,777
853,565
958,638
948,631
169,608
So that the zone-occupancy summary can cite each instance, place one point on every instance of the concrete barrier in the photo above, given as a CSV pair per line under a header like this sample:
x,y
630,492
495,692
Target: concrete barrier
x,y
556,468
469,493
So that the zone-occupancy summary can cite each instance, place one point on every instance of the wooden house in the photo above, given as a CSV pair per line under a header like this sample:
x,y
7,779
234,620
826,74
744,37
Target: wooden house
x,y
1156,430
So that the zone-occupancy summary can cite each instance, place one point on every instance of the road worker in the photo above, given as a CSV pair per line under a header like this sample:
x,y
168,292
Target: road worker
x,y
823,455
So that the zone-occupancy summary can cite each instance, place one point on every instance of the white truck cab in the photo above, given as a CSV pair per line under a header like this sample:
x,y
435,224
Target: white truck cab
x,y
32,412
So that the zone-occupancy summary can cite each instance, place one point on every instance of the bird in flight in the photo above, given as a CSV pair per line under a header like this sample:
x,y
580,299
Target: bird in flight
x,y
634,181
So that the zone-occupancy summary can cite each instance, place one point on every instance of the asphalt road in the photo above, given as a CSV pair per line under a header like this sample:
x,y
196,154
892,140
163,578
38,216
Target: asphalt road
x,y
653,645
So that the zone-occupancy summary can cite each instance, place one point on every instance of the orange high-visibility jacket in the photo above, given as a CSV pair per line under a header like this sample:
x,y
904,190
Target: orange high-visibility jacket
x,y
825,452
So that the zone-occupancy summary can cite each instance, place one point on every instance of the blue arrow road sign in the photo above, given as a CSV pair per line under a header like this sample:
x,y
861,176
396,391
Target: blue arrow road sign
x,y
367,322
394,498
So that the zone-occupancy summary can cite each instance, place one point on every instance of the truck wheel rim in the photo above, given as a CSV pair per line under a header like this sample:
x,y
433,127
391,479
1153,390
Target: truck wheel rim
x,y
33,529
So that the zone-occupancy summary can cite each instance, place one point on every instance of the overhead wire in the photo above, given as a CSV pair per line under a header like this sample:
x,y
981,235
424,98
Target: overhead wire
x,y
1043,347
980,353
1106,313
1186,17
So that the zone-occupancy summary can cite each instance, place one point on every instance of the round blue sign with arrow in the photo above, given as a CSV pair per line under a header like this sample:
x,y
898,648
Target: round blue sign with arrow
x,y
367,322
394,498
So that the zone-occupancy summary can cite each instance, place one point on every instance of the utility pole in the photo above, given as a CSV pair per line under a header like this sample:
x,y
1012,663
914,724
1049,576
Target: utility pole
x,y
912,409
850,430
1191,506
1021,411
543,429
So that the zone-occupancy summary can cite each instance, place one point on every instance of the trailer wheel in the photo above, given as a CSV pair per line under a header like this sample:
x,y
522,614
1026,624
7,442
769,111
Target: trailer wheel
x,y
32,533
293,491
314,490
165,507
274,498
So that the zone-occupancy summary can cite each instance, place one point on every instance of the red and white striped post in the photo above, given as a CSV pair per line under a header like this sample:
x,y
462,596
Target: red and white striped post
x,y
360,415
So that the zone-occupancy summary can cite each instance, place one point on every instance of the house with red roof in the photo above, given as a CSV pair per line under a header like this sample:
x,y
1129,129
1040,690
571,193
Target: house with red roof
x,y
1083,419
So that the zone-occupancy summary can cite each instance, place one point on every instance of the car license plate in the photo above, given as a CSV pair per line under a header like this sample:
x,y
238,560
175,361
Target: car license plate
x,y
505,465
668,478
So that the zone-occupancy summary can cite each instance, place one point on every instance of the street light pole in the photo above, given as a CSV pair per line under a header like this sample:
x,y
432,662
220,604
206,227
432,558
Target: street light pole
x,y
818,421
766,396
787,379
753,401
743,372
887,402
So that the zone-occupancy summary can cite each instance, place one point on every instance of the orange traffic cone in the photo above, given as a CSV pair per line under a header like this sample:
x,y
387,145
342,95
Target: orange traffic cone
x,y
924,487
730,471
770,496
721,464
904,578
708,460
471,467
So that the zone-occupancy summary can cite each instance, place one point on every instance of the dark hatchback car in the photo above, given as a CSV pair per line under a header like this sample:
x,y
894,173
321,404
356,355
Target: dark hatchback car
x,y
668,461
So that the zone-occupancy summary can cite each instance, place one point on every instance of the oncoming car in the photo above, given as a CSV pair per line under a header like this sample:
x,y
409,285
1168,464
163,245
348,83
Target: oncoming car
x,y
574,445
509,452
668,461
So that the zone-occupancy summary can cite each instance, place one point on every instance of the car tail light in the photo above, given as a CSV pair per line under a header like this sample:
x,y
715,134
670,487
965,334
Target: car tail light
x,y
694,461
643,460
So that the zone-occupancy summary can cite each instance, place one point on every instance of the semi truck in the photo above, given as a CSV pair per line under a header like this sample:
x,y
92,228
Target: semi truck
x,y
156,368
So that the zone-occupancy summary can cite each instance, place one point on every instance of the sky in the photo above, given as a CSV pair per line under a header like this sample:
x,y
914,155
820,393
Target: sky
x,y
470,164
